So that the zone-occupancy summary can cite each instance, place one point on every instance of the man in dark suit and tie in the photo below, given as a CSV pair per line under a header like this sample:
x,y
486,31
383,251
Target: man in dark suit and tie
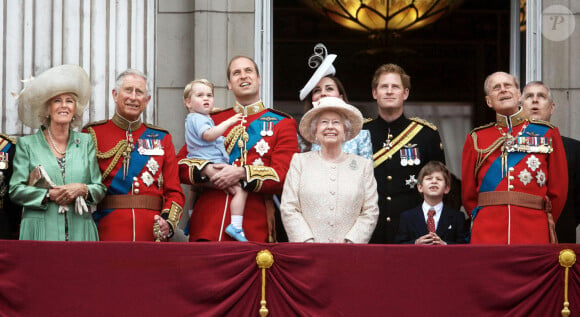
x,y
538,104
432,222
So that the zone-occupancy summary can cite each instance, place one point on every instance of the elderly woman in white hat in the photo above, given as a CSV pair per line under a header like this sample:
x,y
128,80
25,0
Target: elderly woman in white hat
x,y
330,195
55,170
324,83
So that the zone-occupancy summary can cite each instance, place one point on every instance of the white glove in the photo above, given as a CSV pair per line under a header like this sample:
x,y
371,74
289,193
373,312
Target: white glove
x,y
81,205
62,209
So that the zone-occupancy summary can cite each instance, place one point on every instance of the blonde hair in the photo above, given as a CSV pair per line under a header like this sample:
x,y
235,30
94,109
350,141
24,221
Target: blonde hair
x,y
189,87
77,119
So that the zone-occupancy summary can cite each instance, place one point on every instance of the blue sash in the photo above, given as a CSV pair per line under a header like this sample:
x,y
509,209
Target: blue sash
x,y
493,175
122,186
254,129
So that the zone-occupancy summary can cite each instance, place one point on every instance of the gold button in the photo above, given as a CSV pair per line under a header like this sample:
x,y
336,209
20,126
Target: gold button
x,y
389,177
388,219
389,198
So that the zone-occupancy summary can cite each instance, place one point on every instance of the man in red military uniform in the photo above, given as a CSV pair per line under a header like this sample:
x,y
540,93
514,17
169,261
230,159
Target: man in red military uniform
x,y
513,185
139,168
260,149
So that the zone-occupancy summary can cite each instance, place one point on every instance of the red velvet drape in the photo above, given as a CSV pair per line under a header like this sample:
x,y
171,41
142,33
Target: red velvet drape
x,y
222,279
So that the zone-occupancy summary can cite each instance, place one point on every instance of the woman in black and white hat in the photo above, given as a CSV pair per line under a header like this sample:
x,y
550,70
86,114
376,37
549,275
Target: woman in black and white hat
x,y
324,83
55,207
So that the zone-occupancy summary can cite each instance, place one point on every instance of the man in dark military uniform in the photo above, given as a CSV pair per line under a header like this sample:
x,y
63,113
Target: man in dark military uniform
x,y
9,213
539,104
401,147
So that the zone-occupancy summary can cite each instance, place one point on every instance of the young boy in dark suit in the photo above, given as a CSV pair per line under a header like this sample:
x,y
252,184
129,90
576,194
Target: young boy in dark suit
x,y
432,222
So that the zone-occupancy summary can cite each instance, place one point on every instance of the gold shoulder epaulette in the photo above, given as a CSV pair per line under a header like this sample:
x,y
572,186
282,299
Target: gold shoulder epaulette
x,y
424,122
367,120
542,122
92,124
8,138
151,126
280,113
482,127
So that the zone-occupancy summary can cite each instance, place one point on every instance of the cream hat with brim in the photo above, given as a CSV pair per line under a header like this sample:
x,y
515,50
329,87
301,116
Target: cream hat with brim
x,y
333,104
53,82
326,68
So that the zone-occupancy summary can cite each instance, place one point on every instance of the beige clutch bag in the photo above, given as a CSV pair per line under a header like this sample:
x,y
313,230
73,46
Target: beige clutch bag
x,y
39,178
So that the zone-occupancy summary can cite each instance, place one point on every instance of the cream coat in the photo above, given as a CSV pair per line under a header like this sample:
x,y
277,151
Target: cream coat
x,y
329,202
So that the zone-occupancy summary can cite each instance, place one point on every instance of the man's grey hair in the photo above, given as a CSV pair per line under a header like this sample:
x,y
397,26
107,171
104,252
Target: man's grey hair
x,y
486,84
135,72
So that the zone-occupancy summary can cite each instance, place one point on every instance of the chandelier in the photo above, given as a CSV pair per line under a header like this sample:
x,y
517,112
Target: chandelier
x,y
378,15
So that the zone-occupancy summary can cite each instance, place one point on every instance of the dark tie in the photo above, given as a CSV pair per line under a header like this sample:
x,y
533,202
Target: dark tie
x,y
430,220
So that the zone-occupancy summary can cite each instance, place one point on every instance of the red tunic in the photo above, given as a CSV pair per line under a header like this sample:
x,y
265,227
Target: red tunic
x,y
151,172
532,172
267,163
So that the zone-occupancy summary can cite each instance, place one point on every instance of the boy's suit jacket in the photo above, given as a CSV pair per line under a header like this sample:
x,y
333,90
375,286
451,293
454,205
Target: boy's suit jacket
x,y
451,227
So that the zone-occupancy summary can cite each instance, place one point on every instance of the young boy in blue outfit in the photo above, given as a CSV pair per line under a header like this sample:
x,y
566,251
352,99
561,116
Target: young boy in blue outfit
x,y
205,141
432,222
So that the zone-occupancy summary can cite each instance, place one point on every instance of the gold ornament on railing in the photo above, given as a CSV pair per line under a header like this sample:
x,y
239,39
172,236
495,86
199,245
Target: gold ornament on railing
x,y
567,259
264,259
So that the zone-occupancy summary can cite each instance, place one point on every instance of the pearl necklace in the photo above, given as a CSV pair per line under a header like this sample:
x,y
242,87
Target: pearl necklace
x,y
54,145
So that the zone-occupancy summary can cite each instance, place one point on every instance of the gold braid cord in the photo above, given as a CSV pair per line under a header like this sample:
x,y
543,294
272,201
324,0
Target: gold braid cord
x,y
567,259
264,259
233,136
116,151
483,154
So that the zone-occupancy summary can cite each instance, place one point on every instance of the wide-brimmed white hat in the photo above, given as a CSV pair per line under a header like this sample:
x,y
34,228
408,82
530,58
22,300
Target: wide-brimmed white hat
x,y
325,68
53,82
331,104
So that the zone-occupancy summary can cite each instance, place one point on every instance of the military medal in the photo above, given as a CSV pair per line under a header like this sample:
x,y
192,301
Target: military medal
x,y
3,161
533,162
264,127
267,126
525,177
147,178
541,178
160,181
151,147
411,182
152,166
417,161
388,143
262,147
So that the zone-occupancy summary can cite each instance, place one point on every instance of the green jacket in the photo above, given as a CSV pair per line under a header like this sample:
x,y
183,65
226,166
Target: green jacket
x,y
42,221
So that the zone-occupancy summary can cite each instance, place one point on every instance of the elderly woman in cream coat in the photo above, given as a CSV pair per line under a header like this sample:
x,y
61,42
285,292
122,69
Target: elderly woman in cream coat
x,y
330,195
